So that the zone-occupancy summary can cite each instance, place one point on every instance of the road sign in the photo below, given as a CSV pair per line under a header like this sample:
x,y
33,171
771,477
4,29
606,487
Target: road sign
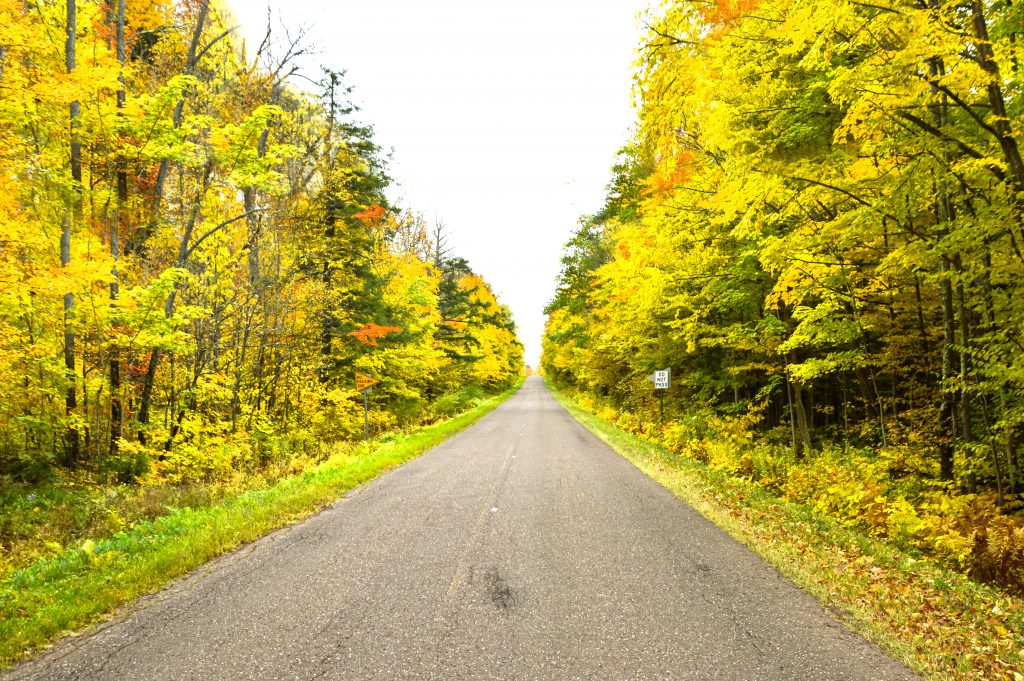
x,y
364,382
662,379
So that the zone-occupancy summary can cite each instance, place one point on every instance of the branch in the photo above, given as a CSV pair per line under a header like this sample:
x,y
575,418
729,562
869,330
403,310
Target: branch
x,y
210,44
672,40
966,107
924,125
214,230
881,7
931,129
265,44
844,192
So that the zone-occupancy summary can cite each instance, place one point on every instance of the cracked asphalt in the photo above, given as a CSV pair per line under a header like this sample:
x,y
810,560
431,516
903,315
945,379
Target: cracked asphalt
x,y
523,548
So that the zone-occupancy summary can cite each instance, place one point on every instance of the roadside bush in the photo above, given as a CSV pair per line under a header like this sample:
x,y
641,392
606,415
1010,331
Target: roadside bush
x,y
770,465
35,467
633,423
726,457
129,464
206,459
698,450
338,417
457,402
677,434
997,554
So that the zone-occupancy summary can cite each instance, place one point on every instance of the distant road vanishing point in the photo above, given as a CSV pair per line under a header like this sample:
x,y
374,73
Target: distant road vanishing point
x,y
523,548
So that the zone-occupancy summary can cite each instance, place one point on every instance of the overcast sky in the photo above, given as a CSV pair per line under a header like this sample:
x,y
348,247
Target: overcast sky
x,y
503,117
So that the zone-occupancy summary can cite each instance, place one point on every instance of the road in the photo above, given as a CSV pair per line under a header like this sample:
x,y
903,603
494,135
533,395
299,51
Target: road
x,y
523,548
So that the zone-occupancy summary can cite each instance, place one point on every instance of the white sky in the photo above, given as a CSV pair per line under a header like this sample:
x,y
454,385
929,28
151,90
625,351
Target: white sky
x,y
503,117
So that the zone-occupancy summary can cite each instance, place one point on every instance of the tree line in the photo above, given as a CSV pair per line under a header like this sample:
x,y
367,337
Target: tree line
x,y
196,256
818,227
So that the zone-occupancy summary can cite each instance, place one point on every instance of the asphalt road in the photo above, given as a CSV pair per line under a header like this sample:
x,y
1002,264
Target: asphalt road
x,y
523,548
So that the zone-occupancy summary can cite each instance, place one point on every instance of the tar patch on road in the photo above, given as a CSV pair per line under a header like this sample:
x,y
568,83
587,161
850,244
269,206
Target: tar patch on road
x,y
499,592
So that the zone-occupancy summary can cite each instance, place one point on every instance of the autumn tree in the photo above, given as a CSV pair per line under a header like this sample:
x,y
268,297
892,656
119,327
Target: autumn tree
x,y
196,255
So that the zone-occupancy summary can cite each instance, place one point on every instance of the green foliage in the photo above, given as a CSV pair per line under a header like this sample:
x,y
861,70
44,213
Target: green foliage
x,y
448,405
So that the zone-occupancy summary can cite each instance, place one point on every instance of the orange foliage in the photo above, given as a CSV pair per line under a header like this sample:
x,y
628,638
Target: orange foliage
x,y
146,181
725,11
104,29
370,215
664,181
371,333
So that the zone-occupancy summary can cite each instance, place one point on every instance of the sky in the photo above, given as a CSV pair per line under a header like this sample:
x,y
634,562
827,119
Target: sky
x,y
503,118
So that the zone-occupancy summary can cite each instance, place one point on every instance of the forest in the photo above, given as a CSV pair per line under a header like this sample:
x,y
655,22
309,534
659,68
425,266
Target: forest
x,y
196,258
818,228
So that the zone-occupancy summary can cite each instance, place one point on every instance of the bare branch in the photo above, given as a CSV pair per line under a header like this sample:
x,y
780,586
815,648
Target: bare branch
x,y
210,44
210,232
672,40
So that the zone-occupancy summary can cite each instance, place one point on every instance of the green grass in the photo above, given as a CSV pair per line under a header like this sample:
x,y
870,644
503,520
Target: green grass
x,y
938,622
85,584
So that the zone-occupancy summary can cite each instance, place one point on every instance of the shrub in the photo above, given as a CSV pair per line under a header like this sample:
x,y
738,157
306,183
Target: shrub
x,y
207,459
130,463
770,465
457,402
35,467
338,417
997,554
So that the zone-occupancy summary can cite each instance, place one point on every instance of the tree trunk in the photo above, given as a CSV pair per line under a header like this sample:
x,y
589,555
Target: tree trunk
x,y
1000,120
922,328
154,359
966,426
944,216
253,220
236,389
801,420
946,407
116,408
70,401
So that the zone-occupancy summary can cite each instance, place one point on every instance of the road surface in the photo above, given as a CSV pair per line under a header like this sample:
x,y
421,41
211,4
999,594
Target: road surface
x,y
523,548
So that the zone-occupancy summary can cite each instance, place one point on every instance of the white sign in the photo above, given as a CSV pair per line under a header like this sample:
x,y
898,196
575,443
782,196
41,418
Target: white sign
x,y
662,379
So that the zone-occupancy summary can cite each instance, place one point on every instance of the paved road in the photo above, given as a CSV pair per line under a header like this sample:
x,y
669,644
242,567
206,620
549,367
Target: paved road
x,y
523,548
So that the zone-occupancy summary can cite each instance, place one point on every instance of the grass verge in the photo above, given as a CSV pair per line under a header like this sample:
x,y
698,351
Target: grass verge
x,y
80,586
939,623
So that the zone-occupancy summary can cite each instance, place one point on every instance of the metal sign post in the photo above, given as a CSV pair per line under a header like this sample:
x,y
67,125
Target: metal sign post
x,y
364,384
366,414
662,380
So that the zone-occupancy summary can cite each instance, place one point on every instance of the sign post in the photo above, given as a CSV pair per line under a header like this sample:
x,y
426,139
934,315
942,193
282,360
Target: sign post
x,y
364,384
662,380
